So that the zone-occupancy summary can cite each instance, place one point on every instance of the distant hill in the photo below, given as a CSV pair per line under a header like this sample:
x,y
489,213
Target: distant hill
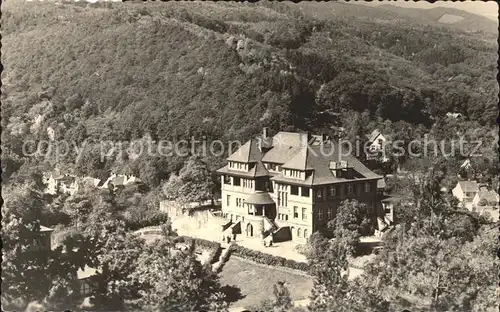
x,y
118,72
467,22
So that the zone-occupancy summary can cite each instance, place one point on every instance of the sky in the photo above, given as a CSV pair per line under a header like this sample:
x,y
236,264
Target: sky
x,y
488,9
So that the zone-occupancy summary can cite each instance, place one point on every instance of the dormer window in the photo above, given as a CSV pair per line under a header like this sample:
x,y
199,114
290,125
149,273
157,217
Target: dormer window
x,y
293,173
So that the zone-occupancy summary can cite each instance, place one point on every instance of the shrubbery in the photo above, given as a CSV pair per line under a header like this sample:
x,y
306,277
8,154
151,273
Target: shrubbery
x,y
267,259
152,220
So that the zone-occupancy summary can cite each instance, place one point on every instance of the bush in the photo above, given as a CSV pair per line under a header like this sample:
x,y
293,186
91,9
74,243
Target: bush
x,y
267,259
152,220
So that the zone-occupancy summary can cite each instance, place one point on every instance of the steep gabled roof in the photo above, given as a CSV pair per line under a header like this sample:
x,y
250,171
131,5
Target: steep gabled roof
x,y
248,152
299,161
372,136
469,186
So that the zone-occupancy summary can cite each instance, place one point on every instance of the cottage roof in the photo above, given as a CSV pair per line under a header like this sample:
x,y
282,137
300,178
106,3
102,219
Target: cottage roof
x,y
86,272
372,136
489,195
469,186
45,229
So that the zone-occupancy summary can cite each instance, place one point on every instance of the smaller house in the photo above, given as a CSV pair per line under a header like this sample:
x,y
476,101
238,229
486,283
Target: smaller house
x,y
44,239
85,279
453,115
381,185
465,191
486,197
120,180
57,182
376,140
375,144
388,203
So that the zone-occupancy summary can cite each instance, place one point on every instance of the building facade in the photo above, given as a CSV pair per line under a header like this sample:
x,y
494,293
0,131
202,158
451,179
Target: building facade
x,y
291,184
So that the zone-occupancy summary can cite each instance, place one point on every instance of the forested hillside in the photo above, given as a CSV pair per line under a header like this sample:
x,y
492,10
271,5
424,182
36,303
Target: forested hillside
x,y
172,70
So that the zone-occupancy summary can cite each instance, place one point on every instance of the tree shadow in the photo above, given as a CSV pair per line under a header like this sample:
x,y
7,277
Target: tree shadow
x,y
233,293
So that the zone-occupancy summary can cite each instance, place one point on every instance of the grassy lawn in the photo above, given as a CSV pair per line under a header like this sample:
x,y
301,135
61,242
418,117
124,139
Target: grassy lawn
x,y
255,282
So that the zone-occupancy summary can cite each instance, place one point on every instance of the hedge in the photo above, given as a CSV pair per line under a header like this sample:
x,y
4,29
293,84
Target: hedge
x,y
267,259
152,220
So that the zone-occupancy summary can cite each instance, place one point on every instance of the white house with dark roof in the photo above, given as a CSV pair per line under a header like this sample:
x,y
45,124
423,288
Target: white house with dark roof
x,y
289,185
465,191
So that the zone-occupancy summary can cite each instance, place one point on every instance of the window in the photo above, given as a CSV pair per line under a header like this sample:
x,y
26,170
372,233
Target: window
x,y
228,200
367,187
237,217
305,191
349,188
236,181
84,288
272,167
305,233
319,193
332,190
295,212
387,210
239,202
227,179
286,217
329,213
320,214
304,214
282,199
247,183
299,232
294,190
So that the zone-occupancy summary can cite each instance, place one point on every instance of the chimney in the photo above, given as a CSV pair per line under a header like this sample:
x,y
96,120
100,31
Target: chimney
x,y
304,139
264,132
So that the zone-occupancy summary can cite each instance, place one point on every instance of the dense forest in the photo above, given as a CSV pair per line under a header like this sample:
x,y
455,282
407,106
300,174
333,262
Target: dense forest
x,y
95,72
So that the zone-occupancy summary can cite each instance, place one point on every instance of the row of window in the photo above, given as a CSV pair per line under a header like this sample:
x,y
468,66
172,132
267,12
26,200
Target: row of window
x,y
247,183
239,201
238,165
319,213
299,232
350,188
304,191
272,167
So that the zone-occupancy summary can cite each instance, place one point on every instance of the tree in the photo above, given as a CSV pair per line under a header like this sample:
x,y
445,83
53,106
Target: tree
x,y
106,246
349,223
175,280
193,184
31,271
280,303
445,275
332,291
